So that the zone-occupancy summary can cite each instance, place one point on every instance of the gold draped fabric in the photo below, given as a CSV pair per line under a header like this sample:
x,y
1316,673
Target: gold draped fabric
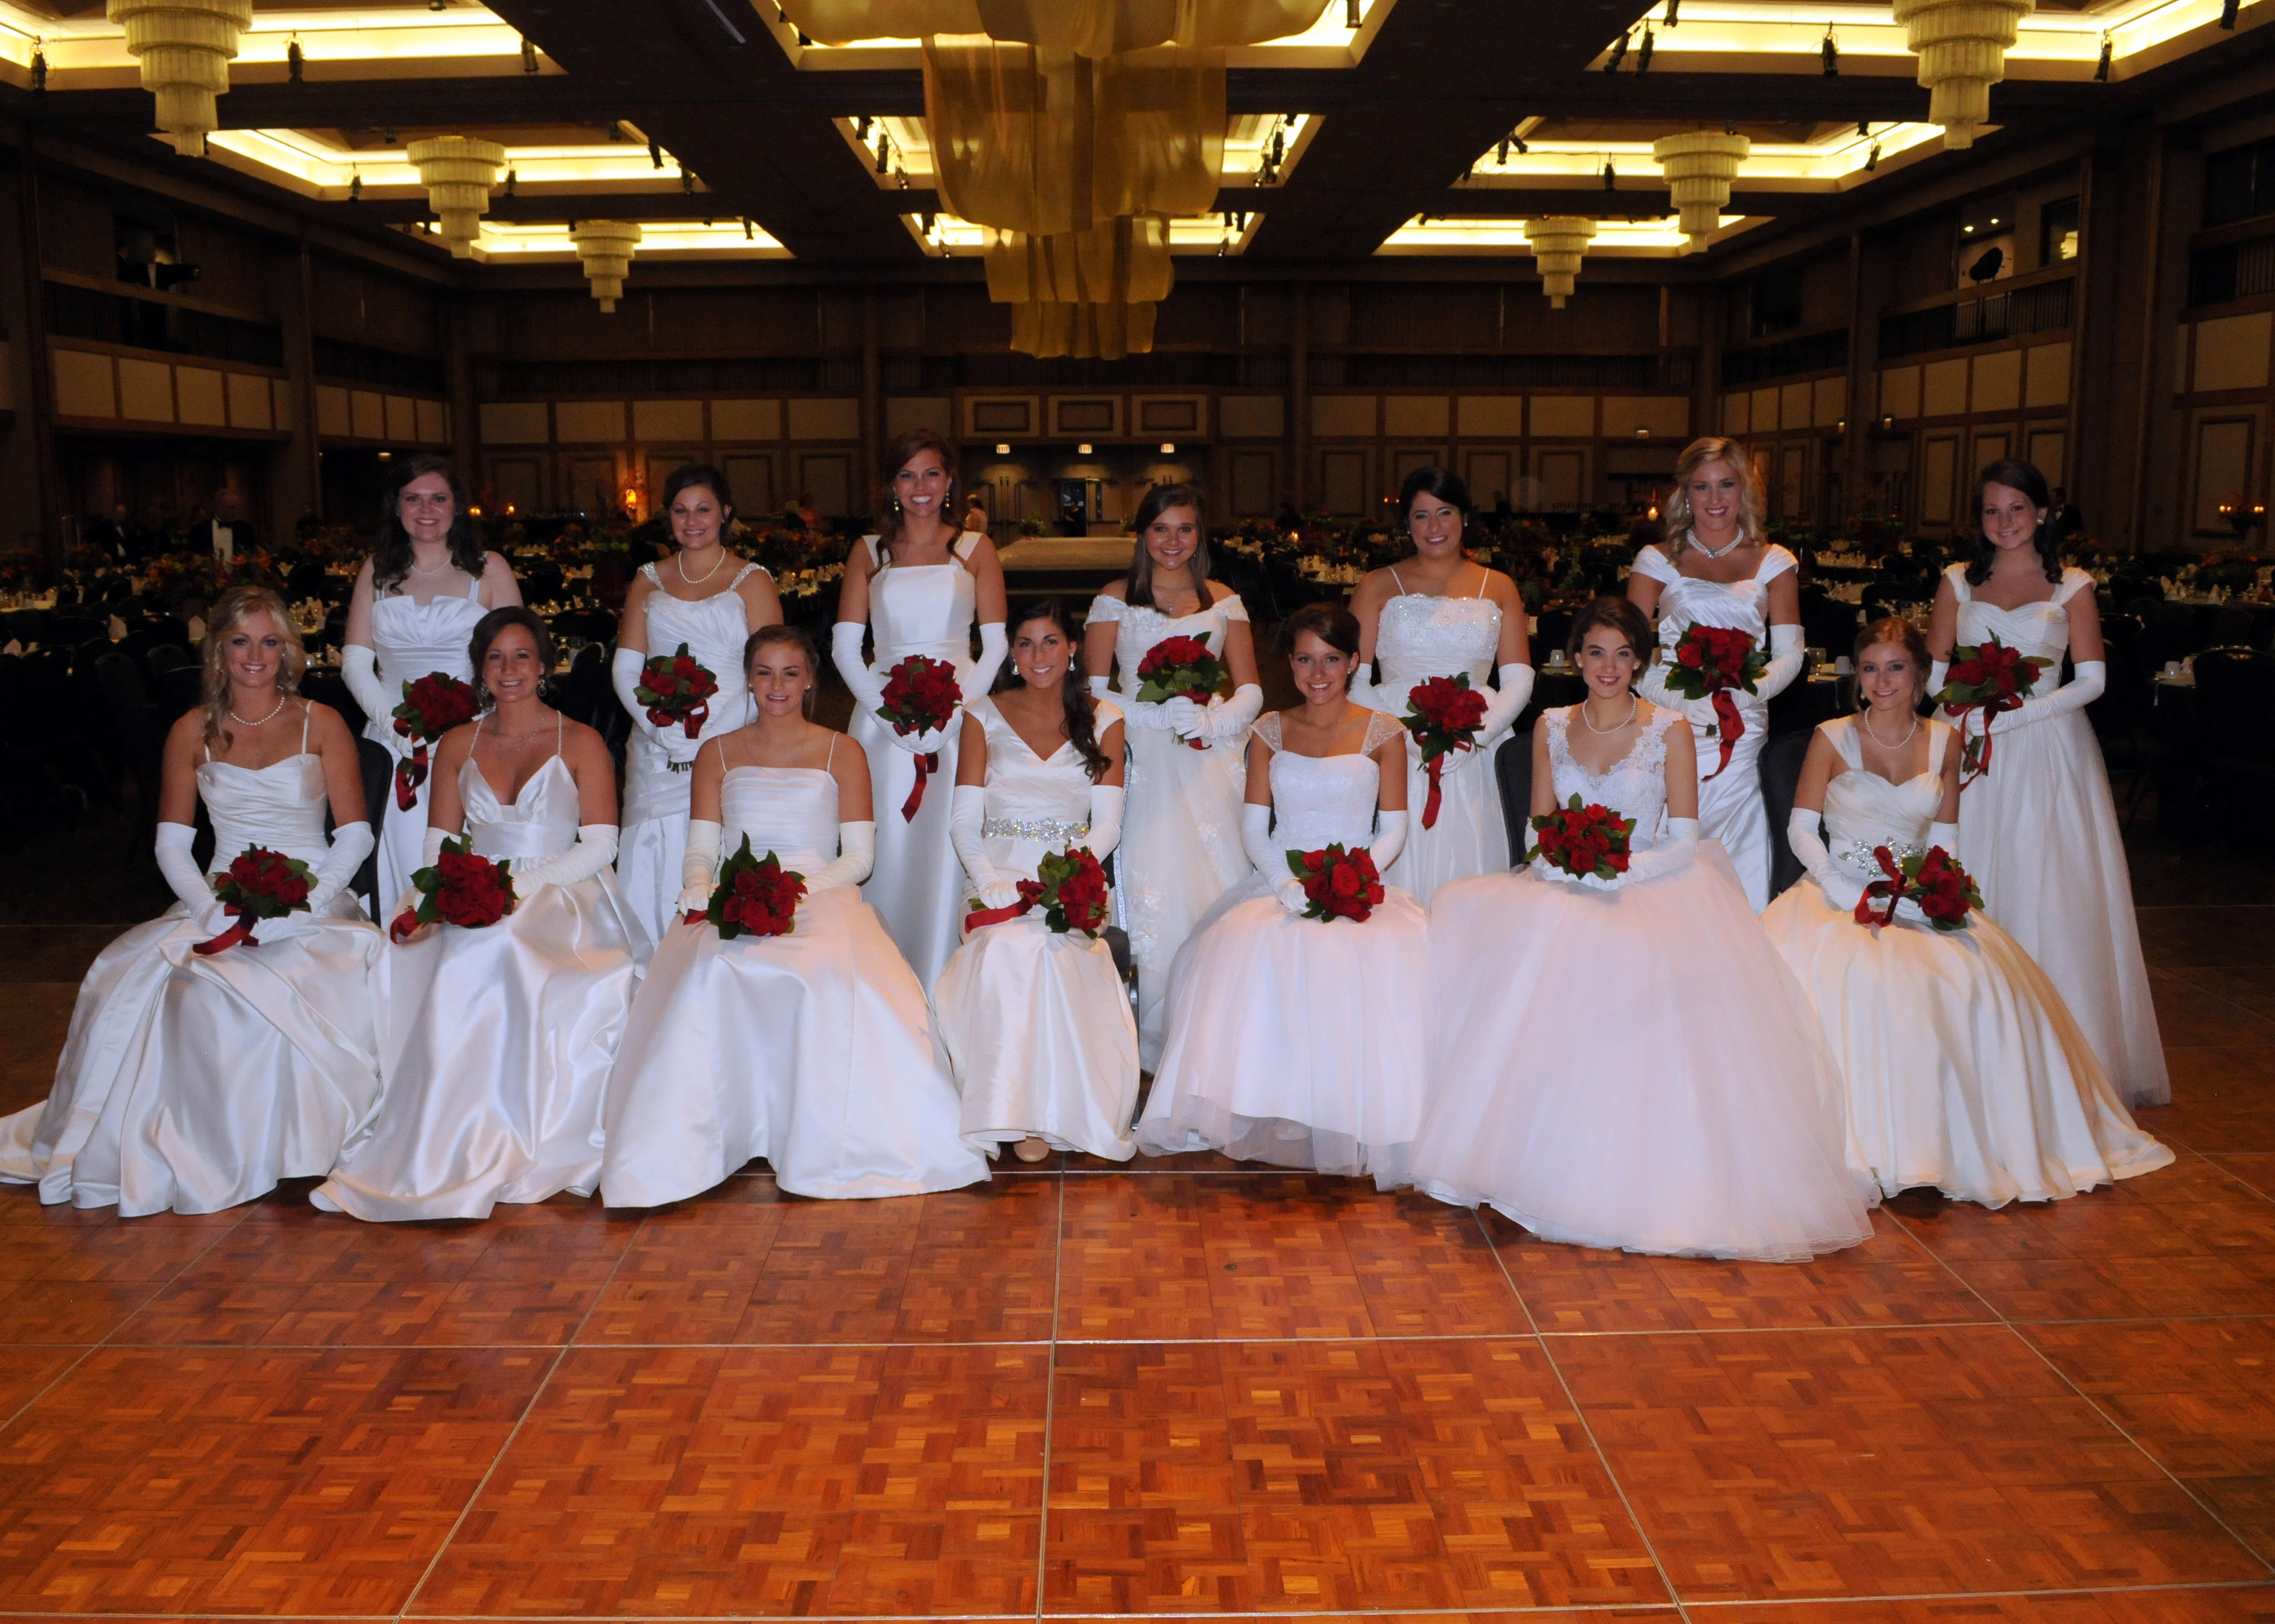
x,y
1084,293
1085,27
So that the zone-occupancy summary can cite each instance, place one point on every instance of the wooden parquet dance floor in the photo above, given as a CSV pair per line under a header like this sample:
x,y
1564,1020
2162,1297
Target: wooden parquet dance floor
x,y
1187,1389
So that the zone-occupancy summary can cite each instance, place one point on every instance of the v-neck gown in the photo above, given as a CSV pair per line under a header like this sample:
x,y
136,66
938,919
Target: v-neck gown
x,y
412,640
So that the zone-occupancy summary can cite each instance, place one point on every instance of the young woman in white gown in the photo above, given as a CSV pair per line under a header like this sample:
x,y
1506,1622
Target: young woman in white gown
x,y
1434,615
704,597
1629,1063
413,611
1716,569
496,1042
917,584
813,1049
1037,1023
1964,1071
1304,1042
194,1082
2038,831
1181,825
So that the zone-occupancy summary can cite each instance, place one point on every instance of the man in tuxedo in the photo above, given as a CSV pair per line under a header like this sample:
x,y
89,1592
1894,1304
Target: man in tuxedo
x,y
118,535
227,534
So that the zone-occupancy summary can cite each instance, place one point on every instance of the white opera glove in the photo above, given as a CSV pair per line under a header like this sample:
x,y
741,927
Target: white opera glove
x,y
594,850
188,880
1181,714
1946,836
856,855
1651,683
1389,840
1937,672
994,644
1785,662
1099,688
360,671
699,870
867,688
1230,720
1365,691
1270,861
351,844
1148,713
1841,888
924,743
1504,704
967,814
1105,832
1669,856
2084,688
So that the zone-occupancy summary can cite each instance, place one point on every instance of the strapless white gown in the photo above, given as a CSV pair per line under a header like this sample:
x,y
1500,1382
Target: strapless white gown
x,y
496,1042
655,795
1037,1023
413,640
195,1083
2039,833
1420,637
813,1049
1302,1042
1965,1071
1634,1067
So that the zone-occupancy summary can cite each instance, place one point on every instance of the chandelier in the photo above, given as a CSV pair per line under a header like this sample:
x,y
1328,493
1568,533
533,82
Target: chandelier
x,y
1962,47
458,173
184,47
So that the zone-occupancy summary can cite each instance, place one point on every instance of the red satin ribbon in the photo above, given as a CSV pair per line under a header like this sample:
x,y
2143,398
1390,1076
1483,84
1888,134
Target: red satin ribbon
x,y
1434,766
1990,708
240,931
405,925
695,916
410,774
1891,887
1730,727
927,765
983,918
1194,743
693,721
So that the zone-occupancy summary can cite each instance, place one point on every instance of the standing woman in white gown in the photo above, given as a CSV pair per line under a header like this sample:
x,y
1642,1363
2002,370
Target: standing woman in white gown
x,y
813,1048
1304,1042
415,603
1434,615
1037,1023
917,585
1628,1062
496,1040
1181,828
2038,830
195,1082
705,597
1716,569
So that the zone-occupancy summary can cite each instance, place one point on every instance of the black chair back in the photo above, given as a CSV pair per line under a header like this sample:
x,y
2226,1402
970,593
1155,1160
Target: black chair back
x,y
378,764
2235,703
2231,627
2171,632
1781,760
1513,776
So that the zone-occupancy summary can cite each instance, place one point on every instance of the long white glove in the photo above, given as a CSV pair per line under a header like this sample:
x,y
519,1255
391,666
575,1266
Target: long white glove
x,y
1228,720
1946,836
1102,689
845,653
360,671
1389,840
1105,820
1667,857
594,850
699,870
1937,672
188,880
1270,860
1842,888
351,844
856,855
1365,691
994,644
967,813
1184,716
1503,706
1785,662
2082,689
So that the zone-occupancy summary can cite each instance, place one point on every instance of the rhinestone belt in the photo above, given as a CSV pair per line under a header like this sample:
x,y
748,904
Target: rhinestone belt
x,y
1858,853
1048,830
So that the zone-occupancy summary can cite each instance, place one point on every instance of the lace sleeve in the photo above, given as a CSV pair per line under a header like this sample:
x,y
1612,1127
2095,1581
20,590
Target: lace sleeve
x,y
654,579
1380,729
1651,561
1105,609
1267,728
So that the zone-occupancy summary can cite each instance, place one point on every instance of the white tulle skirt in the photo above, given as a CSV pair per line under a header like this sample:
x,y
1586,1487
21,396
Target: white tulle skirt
x,y
813,1050
495,1045
1730,807
1964,1071
1180,852
1301,1042
2039,831
1633,1068
917,887
195,1083
1471,837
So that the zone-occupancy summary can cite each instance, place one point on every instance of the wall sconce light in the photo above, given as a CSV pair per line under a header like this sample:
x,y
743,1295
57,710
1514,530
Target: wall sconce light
x,y
1168,449
1082,449
1643,431
1888,419
1002,451
631,497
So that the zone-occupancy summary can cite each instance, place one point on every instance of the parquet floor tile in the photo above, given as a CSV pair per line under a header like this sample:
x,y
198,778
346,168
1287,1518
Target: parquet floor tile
x,y
2201,1605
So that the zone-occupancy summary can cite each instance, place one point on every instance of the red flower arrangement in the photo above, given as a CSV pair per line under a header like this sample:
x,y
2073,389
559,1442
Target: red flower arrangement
x,y
921,696
1443,714
1988,678
755,896
1946,892
1583,840
434,704
1342,884
1070,888
677,690
262,884
461,889
1712,662
198,575
1176,666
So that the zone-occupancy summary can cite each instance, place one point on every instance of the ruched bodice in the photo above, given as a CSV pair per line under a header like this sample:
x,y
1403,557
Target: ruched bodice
x,y
1325,800
539,822
714,631
1034,807
923,608
1732,606
2040,630
280,806
410,639
1863,810
1138,628
788,811
1421,635
1635,786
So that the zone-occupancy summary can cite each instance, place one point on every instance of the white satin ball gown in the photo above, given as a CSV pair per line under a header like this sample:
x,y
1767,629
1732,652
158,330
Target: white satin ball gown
x,y
1037,1023
1180,847
410,640
814,1049
1301,1042
1730,807
197,1083
659,762
1632,1068
496,1042
2039,833
1964,1071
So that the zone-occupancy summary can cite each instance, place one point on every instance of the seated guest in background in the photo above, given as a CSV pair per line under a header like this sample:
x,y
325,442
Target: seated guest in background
x,y
228,532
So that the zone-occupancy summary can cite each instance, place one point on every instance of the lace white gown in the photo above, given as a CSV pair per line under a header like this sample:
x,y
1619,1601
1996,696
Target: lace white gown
x,y
657,773
1302,1042
918,886
1420,636
1180,847
1730,808
1964,1069
1037,1023
412,640
195,1083
1632,1068
813,1049
496,1043
2040,833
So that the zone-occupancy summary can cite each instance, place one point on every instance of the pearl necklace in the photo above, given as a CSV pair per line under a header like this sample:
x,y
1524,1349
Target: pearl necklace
x,y
1867,720
265,720
1735,543
718,565
1634,705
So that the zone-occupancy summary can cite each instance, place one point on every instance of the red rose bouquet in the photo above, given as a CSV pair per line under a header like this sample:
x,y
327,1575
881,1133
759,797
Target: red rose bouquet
x,y
1179,666
1070,888
921,696
1443,714
434,704
677,690
755,896
461,889
1945,892
262,884
1988,678
1712,662
1583,840
1342,884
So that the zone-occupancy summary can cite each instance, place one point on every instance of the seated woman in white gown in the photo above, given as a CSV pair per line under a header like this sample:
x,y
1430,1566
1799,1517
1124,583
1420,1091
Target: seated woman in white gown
x,y
1305,1041
1965,1070
1037,1022
196,1081
812,1049
1628,1062
496,1040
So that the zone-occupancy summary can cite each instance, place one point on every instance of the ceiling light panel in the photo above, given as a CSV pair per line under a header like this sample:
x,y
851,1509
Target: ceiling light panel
x,y
1833,162
1640,239
89,53
303,161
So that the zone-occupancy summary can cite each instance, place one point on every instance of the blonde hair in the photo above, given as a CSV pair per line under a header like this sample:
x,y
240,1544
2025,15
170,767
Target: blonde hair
x,y
1676,517
238,605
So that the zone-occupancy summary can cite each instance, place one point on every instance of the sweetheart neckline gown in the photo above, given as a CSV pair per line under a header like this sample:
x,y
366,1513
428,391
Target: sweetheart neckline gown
x,y
410,640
